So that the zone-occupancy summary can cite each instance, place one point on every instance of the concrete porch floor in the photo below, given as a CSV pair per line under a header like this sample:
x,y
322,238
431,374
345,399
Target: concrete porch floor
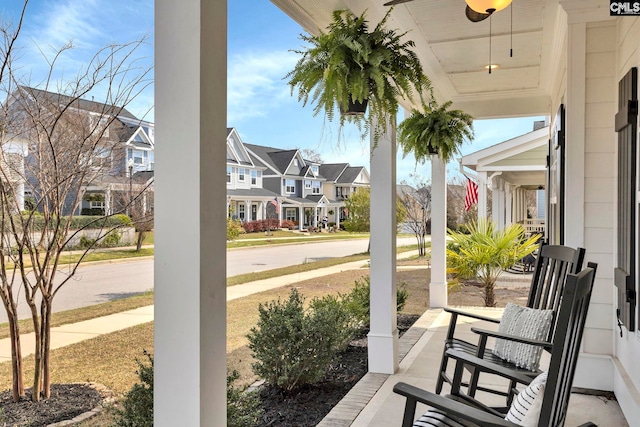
x,y
372,402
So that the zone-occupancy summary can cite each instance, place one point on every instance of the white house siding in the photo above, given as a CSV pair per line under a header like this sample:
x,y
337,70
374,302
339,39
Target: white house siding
x,y
600,164
627,348
589,91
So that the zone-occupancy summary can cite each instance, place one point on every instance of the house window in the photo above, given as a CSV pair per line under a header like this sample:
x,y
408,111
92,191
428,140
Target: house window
x,y
254,177
139,157
254,212
307,184
314,169
151,161
338,192
290,214
96,204
228,174
241,172
295,162
316,187
241,211
289,186
102,158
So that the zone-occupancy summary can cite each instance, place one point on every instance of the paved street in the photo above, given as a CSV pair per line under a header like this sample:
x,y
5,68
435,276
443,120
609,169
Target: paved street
x,y
102,282
240,261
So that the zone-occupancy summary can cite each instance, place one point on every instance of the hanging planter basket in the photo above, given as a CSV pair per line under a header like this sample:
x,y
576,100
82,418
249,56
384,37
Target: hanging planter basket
x,y
355,108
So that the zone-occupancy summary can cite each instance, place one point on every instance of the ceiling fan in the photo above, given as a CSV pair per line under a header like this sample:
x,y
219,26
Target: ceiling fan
x,y
476,10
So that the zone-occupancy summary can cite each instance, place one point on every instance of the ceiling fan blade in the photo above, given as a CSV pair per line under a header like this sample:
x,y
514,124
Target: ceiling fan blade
x,y
474,16
395,2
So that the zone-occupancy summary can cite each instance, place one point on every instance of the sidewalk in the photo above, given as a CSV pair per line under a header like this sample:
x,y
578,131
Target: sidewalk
x,y
75,332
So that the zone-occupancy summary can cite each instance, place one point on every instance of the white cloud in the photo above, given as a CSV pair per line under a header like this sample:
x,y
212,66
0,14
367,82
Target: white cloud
x,y
255,84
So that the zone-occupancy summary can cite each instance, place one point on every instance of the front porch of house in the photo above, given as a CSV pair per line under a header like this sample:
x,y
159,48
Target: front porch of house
x,y
372,403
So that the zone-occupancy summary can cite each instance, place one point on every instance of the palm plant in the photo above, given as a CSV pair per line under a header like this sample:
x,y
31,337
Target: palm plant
x,y
435,130
483,252
348,64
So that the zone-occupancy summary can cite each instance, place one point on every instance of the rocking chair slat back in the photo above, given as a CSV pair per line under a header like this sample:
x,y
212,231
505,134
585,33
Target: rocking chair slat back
x,y
553,264
564,355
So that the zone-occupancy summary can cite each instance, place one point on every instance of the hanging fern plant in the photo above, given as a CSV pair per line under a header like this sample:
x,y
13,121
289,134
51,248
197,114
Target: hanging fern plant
x,y
348,64
435,130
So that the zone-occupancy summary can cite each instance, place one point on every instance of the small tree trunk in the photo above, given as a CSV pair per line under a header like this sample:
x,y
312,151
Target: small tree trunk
x,y
46,350
141,235
37,368
489,294
16,359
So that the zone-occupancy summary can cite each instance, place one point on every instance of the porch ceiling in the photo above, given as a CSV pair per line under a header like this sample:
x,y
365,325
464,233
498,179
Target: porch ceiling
x,y
455,51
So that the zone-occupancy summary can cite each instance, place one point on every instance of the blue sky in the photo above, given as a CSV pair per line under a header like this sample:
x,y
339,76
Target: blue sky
x,y
260,105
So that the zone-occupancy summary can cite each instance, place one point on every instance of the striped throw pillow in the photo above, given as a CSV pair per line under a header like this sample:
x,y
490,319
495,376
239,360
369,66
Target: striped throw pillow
x,y
526,323
526,407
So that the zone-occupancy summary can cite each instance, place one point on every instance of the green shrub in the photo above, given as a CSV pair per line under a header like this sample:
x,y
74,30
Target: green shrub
x,y
243,408
294,346
82,221
85,242
111,240
358,300
333,310
137,406
234,228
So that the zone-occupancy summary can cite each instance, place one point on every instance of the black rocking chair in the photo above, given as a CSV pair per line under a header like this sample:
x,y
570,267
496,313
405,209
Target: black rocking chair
x,y
461,410
553,263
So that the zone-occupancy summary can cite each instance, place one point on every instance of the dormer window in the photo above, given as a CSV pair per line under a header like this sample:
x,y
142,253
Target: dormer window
x,y
295,163
314,169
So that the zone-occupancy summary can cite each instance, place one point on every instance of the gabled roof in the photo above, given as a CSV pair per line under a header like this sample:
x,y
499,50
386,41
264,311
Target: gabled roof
x,y
132,133
82,104
350,174
331,171
402,189
237,149
276,158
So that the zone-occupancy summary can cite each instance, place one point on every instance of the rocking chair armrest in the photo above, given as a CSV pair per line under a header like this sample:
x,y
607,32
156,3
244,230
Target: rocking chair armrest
x,y
488,367
472,315
495,334
449,406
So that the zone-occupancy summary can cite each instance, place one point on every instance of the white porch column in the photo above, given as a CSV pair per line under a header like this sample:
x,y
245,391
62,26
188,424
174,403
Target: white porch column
x,y
383,335
108,209
508,204
497,203
247,210
19,192
263,214
301,218
438,285
482,195
575,139
190,107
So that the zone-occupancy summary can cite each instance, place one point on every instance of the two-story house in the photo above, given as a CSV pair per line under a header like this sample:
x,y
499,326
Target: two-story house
x,y
297,182
247,198
342,180
111,151
305,191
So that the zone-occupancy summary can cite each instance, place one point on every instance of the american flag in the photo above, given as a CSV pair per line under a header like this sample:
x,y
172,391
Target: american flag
x,y
471,194
275,203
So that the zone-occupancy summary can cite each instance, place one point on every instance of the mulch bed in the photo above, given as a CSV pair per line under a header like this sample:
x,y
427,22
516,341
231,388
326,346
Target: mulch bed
x,y
307,406
66,402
